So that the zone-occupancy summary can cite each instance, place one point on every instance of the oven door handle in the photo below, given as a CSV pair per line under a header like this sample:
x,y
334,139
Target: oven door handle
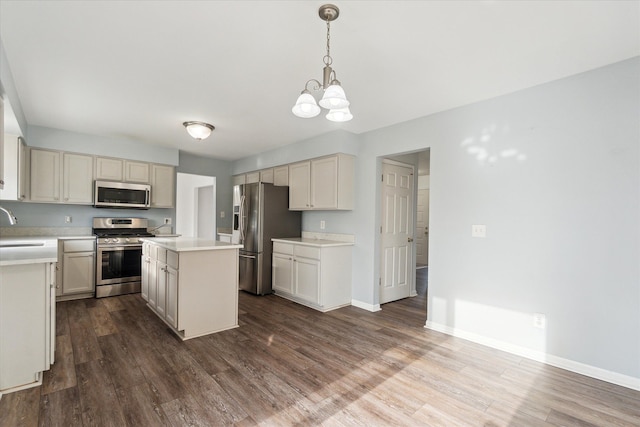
x,y
118,248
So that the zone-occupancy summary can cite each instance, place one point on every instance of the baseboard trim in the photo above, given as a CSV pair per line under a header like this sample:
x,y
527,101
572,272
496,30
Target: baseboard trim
x,y
549,359
365,306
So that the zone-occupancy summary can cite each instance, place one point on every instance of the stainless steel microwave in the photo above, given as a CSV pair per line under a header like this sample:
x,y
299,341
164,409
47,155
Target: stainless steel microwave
x,y
110,194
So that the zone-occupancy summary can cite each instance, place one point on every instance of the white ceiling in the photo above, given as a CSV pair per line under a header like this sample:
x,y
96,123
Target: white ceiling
x,y
138,69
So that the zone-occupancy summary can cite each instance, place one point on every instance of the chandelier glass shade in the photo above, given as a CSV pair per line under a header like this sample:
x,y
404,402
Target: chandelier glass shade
x,y
334,99
198,130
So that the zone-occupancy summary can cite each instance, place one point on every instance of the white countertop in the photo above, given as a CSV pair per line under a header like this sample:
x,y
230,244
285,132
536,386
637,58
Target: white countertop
x,y
184,244
48,252
312,242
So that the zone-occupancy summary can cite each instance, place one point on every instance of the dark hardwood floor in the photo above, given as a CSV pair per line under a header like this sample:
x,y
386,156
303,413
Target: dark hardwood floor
x,y
117,364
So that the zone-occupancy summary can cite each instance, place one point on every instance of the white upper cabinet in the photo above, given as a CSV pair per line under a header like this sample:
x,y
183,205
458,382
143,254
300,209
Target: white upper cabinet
x,y
281,176
266,175
239,179
162,186
299,186
52,171
325,183
252,177
14,168
45,175
77,184
136,172
108,169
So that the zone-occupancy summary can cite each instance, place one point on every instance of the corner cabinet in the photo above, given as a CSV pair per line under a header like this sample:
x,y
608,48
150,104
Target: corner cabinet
x,y
325,183
195,292
163,184
315,273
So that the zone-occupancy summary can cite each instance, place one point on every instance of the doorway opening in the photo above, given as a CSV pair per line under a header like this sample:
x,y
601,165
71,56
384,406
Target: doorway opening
x,y
196,206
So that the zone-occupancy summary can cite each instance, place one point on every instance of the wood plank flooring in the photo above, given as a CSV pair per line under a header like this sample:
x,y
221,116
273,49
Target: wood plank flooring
x,y
117,364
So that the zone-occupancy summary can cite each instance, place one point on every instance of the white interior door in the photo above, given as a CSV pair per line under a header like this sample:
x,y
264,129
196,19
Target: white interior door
x,y
422,228
396,240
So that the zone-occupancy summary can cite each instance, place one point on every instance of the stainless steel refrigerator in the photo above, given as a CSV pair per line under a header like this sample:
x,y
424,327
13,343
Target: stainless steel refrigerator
x,y
260,213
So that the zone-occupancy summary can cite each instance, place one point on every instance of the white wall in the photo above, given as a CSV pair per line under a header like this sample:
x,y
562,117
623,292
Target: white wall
x,y
187,186
554,173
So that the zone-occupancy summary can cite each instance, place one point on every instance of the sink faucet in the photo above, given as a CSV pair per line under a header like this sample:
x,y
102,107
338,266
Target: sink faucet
x,y
12,218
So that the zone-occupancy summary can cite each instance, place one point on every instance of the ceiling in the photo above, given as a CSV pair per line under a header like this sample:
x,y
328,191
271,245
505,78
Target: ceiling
x,y
138,69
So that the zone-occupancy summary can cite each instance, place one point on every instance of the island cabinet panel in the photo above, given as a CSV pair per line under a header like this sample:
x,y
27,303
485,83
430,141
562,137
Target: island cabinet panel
x,y
195,292
316,276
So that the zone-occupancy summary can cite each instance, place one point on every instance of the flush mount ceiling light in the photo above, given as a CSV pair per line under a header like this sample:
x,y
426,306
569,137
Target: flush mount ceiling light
x,y
334,98
198,130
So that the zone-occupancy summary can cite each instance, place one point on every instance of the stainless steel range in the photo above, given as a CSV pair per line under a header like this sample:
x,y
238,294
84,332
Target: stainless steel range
x,y
119,252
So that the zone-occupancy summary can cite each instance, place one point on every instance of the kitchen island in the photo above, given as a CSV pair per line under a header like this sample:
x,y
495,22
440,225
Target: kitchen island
x,y
191,284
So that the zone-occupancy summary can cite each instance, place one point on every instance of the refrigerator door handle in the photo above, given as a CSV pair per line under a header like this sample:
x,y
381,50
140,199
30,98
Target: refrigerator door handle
x,y
242,218
247,256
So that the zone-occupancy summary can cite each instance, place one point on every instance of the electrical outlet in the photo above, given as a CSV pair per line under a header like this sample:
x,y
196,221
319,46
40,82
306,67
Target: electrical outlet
x,y
67,219
322,225
539,321
221,214
167,221
478,230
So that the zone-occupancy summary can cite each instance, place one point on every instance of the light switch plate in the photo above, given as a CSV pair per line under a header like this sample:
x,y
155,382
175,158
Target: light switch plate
x,y
478,230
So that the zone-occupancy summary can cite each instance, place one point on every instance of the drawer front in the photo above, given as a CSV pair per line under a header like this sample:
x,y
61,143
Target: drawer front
x,y
307,252
283,248
78,245
172,259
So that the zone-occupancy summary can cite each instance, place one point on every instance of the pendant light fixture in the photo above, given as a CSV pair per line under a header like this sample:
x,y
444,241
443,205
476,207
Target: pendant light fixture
x,y
334,98
198,130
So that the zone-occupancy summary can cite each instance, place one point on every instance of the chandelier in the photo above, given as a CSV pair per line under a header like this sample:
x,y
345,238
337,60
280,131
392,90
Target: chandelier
x,y
334,98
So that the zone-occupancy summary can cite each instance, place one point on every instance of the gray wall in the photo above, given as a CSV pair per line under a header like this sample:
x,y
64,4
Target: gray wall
x,y
554,173
221,169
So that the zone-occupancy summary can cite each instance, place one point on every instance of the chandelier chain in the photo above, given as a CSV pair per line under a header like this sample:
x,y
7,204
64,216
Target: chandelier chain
x,y
327,58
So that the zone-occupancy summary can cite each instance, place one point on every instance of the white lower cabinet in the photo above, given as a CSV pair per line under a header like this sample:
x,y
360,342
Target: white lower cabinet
x,y
27,319
76,268
316,275
160,272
